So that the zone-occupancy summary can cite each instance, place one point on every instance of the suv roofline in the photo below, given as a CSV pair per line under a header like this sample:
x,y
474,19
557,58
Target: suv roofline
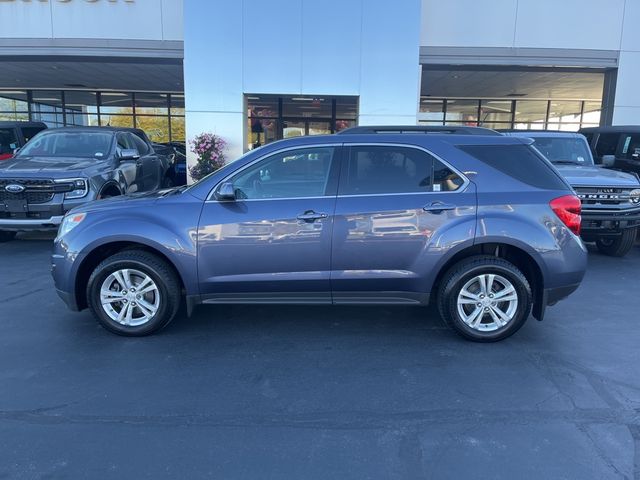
x,y
543,133
412,129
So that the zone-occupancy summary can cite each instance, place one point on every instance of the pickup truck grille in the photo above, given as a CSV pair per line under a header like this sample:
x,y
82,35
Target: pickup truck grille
x,y
35,190
602,196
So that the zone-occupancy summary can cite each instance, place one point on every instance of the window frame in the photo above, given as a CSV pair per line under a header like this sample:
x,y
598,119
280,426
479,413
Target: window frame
x,y
331,189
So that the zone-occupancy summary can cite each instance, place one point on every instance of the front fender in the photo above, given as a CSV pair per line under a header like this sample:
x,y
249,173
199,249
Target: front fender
x,y
170,230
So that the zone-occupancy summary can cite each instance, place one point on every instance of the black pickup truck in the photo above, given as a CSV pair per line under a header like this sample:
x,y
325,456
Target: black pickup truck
x,y
65,167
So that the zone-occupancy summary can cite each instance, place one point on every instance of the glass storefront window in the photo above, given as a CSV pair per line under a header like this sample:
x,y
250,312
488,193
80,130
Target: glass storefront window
x,y
13,101
465,111
347,108
14,116
306,106
271,117
177,104
495,111
116,121
531,111
591,112
178,131
151,103
156,127
116,103
431,110
47,107
561,112
81,108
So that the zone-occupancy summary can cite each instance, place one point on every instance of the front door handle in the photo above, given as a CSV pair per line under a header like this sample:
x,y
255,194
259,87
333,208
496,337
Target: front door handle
x,y
310,216
438,207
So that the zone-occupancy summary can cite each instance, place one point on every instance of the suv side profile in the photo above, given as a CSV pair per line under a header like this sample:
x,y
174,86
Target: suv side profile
x,y
355,218
14,135
62,168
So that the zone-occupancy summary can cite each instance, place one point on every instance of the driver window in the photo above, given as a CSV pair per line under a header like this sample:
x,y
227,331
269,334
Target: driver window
x,y
290,174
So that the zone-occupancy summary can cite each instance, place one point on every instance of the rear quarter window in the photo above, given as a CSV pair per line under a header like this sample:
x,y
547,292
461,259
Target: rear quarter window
x,y
520,162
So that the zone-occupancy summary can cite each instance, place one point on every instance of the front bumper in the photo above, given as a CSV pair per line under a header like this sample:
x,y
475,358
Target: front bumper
x,y
30,224
609,221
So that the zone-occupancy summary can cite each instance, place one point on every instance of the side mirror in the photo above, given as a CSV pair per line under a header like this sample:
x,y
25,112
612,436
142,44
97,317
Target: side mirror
x,y
226,192
16,150
608,160
129,154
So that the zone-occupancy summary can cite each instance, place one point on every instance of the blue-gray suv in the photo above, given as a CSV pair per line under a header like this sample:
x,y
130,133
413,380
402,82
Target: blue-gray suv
x,y
482,225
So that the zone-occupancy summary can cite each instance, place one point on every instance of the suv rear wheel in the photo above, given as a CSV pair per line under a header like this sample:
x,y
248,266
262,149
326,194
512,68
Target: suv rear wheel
x,y
484,299
134,293
617,246
7,236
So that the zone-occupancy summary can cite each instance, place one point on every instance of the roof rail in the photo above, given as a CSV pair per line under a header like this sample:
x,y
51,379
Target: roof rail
x,y
434,129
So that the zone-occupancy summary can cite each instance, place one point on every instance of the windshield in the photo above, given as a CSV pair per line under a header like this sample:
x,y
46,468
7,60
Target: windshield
x,y
69,144
564,150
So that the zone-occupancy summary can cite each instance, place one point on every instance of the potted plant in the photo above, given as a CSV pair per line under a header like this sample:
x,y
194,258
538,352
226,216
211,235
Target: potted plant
x,y
209,149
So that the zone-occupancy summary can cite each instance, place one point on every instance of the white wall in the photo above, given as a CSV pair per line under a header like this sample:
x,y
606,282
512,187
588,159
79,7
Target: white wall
x,y
552,24
368,48
119,19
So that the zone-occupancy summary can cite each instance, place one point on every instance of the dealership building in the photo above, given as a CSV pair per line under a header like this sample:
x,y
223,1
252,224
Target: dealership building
x,y
256,71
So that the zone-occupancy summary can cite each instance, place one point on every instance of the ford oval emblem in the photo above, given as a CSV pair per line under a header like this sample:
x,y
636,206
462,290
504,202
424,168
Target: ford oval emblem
x,y
14,188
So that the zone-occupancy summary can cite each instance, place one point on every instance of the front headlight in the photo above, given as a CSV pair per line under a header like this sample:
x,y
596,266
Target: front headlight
x,y
70,222
634,196
80,187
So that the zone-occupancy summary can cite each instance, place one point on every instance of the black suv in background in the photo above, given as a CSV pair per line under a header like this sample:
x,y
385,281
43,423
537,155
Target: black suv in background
x,y
62,168
13,136
617,147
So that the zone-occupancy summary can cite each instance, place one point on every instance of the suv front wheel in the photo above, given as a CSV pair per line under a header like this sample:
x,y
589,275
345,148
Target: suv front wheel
x,y
484,299
134,293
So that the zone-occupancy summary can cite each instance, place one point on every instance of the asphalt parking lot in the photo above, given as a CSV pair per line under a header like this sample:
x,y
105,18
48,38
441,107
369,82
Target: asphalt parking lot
x,y
318,392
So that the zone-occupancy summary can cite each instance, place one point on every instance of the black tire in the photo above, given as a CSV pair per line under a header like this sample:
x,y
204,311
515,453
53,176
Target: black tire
x,y
464,271
158,270
617,246
6,236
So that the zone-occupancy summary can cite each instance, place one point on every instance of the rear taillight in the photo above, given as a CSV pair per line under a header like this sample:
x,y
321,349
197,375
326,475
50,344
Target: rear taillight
x,y
568,209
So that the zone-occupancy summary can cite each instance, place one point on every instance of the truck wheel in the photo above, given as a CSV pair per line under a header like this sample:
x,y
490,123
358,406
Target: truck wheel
x,y
484,298
134,293
617,246
7,236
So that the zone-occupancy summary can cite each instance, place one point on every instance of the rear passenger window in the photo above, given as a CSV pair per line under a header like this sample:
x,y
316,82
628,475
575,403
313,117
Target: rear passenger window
x,y
520,162
371,170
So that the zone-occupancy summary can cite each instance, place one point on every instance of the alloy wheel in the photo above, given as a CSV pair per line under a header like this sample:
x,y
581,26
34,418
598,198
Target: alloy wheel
x,y
487,302
129,297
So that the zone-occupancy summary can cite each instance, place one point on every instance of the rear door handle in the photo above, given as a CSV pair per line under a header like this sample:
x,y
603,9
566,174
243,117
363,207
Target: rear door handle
x,y
311,216
438,207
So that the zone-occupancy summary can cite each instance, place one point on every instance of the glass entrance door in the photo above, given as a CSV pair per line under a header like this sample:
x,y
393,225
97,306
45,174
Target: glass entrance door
x,y
299,127
271,117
